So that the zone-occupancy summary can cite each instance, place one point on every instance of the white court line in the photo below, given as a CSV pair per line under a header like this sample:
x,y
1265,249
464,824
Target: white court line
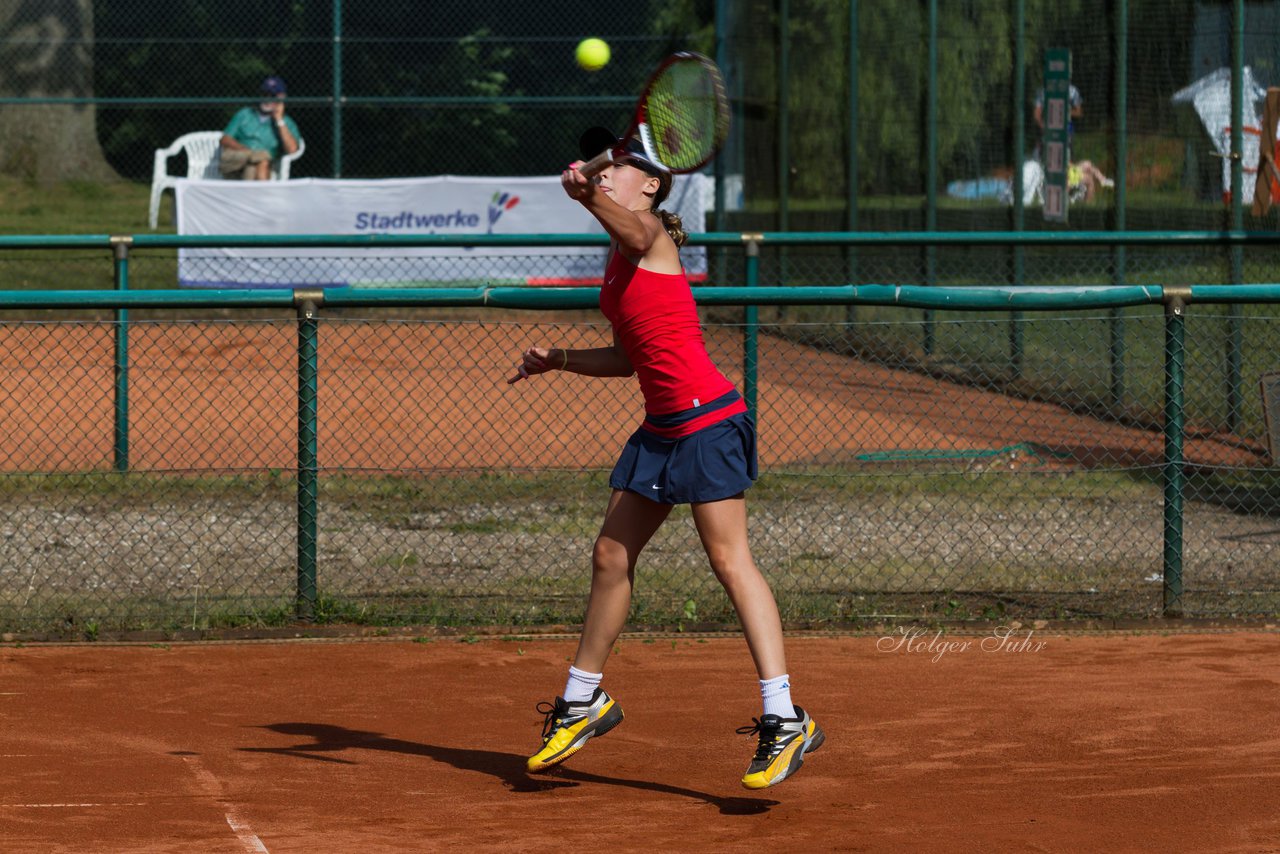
x,y
252,844
250,839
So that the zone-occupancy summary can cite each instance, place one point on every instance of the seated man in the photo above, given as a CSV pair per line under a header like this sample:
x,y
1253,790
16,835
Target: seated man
x,y
255,136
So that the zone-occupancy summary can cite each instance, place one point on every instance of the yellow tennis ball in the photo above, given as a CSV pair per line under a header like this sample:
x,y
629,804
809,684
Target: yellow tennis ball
x,y
592,54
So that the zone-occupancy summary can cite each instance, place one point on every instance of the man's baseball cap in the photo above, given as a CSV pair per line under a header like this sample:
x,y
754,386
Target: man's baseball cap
x,y
598,139
273,86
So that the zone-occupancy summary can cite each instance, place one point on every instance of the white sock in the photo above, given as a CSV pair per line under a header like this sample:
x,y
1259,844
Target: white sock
x,y
581,685
776,694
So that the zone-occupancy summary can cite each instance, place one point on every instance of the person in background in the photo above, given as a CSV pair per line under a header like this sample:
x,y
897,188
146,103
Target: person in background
x,y
258,135
1085,181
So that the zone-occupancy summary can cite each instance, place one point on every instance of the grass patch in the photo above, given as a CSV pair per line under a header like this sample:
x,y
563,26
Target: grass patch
x,y
76,207
989,489
454,549
139,488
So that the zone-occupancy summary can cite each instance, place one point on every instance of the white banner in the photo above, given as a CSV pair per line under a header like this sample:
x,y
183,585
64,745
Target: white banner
x,y
443,205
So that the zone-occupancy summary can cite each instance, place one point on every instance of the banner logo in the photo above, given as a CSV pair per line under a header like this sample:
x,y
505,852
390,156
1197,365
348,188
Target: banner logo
x,y
500,204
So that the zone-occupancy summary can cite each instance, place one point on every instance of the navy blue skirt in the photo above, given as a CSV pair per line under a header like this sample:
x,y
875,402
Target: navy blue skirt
x,y
716,462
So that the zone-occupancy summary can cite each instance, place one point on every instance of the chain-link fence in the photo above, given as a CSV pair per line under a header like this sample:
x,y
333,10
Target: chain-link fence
x,y
1019,465
878,115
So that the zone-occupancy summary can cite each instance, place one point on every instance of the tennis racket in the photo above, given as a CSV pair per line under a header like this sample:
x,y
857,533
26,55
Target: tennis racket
x,y
681,118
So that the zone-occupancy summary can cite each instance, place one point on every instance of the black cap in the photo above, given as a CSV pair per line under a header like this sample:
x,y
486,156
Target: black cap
x,y
597,139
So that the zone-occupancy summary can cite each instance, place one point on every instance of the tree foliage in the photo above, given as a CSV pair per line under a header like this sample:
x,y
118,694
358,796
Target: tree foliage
x,y
485,67
507,98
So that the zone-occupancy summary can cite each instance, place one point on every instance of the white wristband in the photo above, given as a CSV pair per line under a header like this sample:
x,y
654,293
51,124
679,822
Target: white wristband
x,y
279,123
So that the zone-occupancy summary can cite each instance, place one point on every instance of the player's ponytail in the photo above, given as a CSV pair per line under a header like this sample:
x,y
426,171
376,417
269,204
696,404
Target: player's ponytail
x,y
675,228
670,222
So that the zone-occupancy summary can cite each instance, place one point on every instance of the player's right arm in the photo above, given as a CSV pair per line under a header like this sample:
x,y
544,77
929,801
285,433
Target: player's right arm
x,y
634,233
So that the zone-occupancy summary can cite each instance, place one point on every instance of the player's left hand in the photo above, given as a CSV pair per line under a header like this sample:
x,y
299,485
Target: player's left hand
x,y
535,360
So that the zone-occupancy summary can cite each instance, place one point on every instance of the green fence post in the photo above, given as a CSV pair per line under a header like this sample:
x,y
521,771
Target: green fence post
x,y
1175,300
120,251
1115,346
307,303
1235,331
1119,259
751,325
717,261
1016,327
931,170
851,168
337,88
722,60
784,141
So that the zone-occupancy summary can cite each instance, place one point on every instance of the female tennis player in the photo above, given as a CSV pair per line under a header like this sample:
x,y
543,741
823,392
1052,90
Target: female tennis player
x,y
696,446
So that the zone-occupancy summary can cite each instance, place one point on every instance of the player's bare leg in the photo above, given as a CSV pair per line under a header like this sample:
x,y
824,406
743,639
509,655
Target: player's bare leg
x,y
629,522
788,734
722,527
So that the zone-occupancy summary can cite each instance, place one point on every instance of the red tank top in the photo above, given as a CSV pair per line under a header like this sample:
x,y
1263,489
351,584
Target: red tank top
x,y
655,320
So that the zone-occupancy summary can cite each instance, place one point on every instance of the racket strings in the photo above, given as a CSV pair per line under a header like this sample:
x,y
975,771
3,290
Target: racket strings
x,y
686,115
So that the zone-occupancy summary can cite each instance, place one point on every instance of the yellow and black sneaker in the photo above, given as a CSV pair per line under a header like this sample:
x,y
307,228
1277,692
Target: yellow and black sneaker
x,y
570,725
784,742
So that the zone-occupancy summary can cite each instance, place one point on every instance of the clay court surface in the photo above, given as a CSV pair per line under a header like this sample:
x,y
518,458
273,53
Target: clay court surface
x,y
430,395
1053,743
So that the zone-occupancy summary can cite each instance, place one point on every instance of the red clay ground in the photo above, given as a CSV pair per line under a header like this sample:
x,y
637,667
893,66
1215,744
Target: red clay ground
x,y
1086,743
427,395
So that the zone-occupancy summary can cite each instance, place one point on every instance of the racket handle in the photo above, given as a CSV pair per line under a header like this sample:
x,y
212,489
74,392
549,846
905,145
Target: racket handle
x,y
597,164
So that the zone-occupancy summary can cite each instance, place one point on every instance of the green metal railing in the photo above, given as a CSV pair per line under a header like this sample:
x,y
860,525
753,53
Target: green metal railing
x,y
751,244
308,303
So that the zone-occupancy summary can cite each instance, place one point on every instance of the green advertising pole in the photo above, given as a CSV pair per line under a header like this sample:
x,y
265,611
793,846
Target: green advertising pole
x,y
931,170
784,116
851,167
337,88
1235,331
1118,257
722,60
784,137
718,260
1018,274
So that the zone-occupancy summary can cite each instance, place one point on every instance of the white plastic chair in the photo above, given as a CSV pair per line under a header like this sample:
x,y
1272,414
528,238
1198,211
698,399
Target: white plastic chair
x,y
201,149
